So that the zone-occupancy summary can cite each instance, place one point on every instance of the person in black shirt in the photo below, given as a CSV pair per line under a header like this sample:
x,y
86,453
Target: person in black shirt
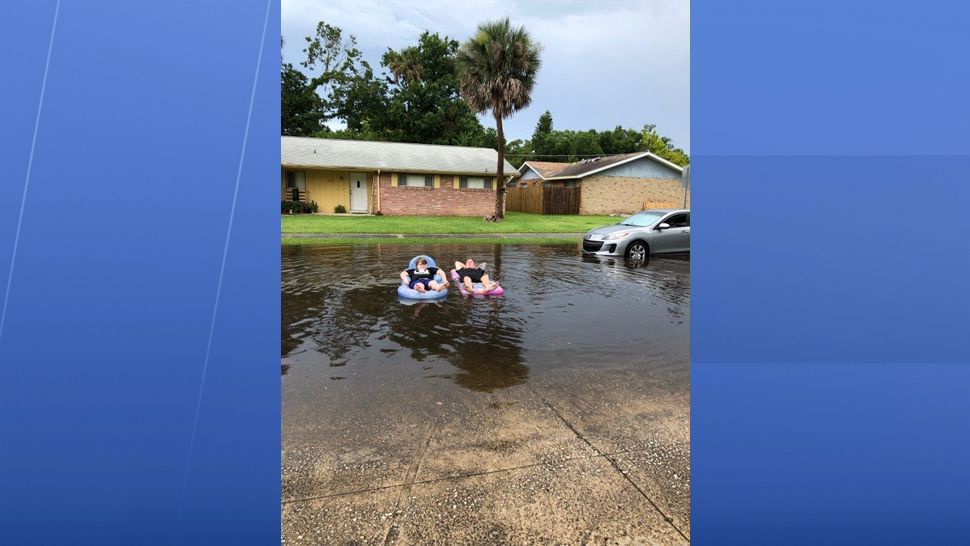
x,y
422,278
470,273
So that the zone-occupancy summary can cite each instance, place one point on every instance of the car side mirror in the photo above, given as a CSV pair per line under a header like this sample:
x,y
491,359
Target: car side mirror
x,y
663,225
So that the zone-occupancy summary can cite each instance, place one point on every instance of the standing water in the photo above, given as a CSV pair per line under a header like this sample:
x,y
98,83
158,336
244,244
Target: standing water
x,y
341,313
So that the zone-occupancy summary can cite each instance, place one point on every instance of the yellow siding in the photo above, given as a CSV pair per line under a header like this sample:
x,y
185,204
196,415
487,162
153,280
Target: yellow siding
x,y
328,189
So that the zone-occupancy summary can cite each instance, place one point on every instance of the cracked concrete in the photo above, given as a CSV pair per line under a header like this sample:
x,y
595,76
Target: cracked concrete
x,y
576,456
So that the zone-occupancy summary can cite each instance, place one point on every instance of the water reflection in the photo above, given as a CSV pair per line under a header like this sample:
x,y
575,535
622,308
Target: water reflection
x,y
471,336
674,289
340,310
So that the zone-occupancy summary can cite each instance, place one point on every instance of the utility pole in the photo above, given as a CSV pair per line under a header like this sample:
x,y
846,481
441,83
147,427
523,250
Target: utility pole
x,y
685,182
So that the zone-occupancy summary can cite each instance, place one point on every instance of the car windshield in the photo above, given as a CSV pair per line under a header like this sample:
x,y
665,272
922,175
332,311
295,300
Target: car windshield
x,y
642,219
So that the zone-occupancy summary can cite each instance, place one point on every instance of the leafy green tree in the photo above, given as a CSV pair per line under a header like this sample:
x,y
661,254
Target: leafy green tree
x,y
301,109
361,102
544,126
340,66
540,136
497,70
549,144
662,146
405,65
518,151
429,93
587,144
620,141
416,99
423,102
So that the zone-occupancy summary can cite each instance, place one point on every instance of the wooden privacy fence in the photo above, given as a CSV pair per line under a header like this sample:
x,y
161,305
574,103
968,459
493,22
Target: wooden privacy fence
x,y
560,200
524,199
543,200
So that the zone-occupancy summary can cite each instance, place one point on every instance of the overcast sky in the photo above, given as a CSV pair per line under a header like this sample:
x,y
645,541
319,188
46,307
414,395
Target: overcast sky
x,y
604,63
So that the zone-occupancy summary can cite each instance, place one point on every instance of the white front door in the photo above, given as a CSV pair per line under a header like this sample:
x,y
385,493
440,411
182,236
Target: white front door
x,y
358,192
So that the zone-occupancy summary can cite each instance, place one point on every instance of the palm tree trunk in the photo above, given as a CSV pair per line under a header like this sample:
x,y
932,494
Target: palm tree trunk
x,y
500,171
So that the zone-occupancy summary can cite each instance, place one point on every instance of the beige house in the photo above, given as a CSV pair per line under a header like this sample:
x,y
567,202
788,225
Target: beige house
x,y
390,177
623,183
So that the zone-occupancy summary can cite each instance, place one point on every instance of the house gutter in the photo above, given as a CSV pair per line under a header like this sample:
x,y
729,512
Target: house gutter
x,y
378,186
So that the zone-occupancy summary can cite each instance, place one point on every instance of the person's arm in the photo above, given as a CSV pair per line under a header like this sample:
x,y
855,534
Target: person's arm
x,y
405,277
444,276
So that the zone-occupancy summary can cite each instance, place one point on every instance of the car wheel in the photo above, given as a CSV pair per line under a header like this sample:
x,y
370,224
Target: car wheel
x,y
637,251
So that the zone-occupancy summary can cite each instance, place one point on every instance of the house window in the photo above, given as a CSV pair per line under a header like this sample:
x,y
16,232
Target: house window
x,y
296,180
416,180
476,182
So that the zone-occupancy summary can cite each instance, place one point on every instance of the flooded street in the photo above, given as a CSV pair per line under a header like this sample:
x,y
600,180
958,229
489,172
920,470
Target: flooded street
x,y
558,413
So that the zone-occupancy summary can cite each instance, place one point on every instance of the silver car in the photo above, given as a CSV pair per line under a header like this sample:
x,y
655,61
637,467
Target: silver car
x,y
659,231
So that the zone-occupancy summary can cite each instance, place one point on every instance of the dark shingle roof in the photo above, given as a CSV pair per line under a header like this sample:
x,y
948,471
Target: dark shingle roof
x,y
558,171
546,168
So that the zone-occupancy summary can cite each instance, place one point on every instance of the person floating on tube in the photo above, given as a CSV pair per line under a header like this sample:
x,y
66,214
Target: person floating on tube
x,y
423,278
469,274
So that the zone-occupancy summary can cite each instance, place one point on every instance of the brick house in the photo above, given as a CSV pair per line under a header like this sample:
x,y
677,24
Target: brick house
x,y
621,183
391,177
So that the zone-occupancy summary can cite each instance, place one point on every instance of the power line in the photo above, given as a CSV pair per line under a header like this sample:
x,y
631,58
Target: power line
x,y
575,155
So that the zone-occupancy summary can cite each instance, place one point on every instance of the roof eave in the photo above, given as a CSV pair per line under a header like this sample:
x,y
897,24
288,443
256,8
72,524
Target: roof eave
x,y
533,169
655,157
382,169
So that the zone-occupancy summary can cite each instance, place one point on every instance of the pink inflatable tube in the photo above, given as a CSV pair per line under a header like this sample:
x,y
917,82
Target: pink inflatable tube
x,y
497,291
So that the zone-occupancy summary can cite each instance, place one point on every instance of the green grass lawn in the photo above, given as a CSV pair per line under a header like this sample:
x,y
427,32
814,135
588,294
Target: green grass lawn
x,y
515,222
424,240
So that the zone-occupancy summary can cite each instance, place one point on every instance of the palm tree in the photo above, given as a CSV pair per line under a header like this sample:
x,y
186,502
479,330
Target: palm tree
x,y
497,70
405,66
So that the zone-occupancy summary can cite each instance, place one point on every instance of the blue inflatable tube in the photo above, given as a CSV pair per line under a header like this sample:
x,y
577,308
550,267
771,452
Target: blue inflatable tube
x,y
412,294
409,293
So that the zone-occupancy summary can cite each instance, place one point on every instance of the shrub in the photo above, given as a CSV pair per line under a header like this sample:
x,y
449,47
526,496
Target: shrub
x,y
340,209
297,207
378,213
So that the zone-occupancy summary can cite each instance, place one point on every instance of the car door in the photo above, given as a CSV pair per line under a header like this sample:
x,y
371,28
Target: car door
x,y
682,233
675,238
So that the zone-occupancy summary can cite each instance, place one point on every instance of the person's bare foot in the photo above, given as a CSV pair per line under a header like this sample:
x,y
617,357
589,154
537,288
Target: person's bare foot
x,y
419,288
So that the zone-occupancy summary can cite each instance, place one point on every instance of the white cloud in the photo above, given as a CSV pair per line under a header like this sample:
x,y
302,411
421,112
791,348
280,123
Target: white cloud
x,y
605,63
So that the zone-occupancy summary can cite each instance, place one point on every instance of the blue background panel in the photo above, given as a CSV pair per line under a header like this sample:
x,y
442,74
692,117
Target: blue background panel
x,y
114,286
829,297
821,453
829,77
830,258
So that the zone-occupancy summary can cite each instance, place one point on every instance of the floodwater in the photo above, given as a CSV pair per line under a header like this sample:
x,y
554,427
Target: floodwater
x,y
559,413
341,314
